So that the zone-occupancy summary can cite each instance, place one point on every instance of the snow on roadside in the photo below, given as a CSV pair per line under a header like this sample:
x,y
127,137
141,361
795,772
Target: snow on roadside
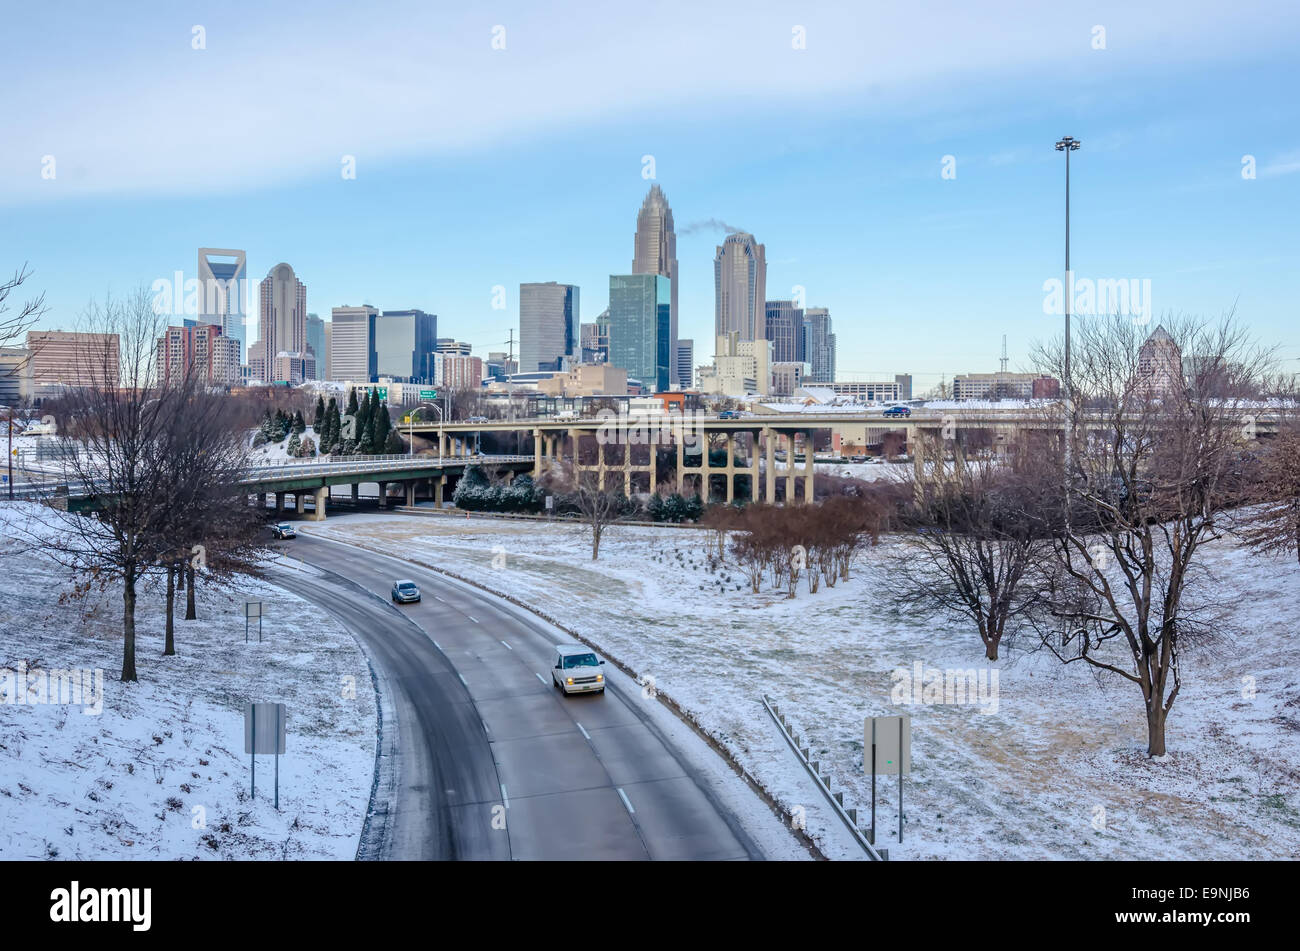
x,y
161,772
1058,770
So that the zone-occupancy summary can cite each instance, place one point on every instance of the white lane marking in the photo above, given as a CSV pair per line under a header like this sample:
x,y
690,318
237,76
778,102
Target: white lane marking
x,y
626,801
436,598
463,680
486,728
508,647
437,645
584,732
540,677
504,797
472,618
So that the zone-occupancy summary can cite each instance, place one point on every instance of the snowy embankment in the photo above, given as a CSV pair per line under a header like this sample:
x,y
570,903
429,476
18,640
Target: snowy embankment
x,y
1056,768
273,452
160,772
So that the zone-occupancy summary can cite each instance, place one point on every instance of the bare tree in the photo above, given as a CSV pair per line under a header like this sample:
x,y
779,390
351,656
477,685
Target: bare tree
x,y
597,507
1157,462
218,534
1273,526
16,323
123,425
974,537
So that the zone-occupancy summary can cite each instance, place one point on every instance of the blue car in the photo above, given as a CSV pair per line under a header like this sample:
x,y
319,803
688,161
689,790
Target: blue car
x,y
729,414
898,411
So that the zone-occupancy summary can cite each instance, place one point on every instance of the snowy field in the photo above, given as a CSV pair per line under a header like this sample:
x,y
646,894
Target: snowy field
x,y
161,773
1058,770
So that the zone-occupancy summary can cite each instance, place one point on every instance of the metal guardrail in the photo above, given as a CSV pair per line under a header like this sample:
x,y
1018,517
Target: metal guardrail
x,y
359,465
847,816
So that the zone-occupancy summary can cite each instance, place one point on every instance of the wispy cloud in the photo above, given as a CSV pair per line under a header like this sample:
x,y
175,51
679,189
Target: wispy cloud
x,y
123,103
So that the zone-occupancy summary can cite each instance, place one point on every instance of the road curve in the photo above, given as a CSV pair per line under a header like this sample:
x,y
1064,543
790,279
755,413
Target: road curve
x,y
481,726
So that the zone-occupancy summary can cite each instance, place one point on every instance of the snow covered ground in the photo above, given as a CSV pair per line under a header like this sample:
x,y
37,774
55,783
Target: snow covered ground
x,y
1057,770
161,773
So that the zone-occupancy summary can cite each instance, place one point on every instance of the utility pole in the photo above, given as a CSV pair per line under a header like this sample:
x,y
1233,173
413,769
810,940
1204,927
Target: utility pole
x,y
1067,145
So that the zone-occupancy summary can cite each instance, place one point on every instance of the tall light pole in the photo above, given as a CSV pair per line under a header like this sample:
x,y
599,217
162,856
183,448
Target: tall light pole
x,y
1067,145
410,428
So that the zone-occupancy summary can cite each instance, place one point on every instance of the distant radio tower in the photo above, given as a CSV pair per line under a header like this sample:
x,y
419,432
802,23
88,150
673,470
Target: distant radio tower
x,y
1004,353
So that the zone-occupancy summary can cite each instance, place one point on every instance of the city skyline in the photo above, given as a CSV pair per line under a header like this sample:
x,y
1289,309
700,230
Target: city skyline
x,y
837,162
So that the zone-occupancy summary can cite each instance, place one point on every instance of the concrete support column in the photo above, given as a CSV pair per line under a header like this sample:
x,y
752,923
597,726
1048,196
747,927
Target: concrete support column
x,y
299,502
809,462
439,486
789,468
680,439
383,495
918,454
753,466
261,500
730,470
769,448
410,493
279,502
537,453
319,514
442,445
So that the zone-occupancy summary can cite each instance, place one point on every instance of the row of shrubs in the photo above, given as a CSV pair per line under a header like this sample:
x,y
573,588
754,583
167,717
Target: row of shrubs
x,y
476,493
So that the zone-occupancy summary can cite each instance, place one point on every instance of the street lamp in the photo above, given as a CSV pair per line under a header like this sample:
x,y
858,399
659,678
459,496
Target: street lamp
x,y
1067,145
410,428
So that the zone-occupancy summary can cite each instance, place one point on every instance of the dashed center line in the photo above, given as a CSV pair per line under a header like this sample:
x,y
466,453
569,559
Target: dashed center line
x,y
436,598
584,732
504,797
540,677
508,647
626,801
472,618
463,680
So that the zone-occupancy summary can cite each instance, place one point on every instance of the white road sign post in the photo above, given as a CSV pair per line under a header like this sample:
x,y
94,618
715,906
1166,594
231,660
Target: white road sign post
x,y
264,733
253,609
889,740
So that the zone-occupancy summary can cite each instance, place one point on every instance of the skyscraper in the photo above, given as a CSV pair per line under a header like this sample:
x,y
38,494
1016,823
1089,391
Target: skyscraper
x,y
352,344
740,287
820,342
685,363
784,327
316,344
548,326
655,252
282,327
405,341
1160,364
640,316
222,292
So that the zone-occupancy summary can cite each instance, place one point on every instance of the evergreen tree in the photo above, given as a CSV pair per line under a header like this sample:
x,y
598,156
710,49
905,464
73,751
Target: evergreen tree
x,y
335,426
294,446
393,444
299,424
267,428
383,424
318,419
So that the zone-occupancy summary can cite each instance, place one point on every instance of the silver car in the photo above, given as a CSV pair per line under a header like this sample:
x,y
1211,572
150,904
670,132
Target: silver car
x,y
405,592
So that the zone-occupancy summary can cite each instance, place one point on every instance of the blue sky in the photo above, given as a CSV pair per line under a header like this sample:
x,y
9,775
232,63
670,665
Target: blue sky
x,y
478,167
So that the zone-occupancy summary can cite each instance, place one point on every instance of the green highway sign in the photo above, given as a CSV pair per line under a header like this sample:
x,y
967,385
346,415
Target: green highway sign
x,y
428,394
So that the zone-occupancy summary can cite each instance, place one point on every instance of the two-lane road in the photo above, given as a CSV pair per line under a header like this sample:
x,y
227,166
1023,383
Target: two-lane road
x,y
484,734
